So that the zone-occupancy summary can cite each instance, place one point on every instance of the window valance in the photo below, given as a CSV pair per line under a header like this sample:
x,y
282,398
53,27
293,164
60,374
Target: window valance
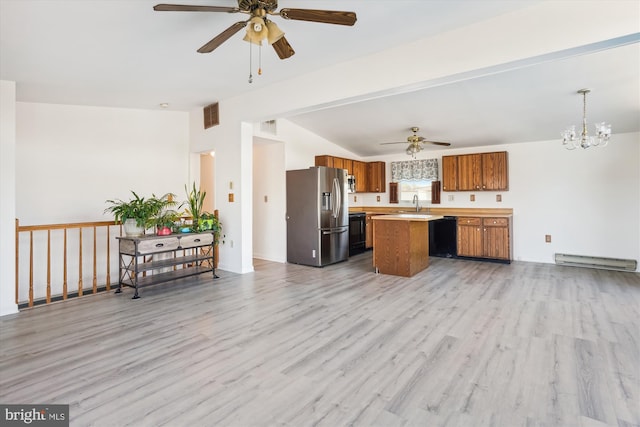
x,y
426,169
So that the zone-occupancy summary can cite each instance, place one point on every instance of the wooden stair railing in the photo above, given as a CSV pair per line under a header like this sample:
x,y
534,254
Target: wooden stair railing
x,y
62,289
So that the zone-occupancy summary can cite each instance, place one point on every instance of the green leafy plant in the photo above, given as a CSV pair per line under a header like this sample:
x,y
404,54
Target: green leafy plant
x,y
142,209
195,201
209,221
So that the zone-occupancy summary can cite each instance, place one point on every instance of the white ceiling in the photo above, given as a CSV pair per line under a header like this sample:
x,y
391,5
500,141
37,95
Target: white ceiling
x,y
124,54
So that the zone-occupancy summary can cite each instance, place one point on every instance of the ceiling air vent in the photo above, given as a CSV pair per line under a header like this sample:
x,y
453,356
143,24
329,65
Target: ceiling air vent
x,y
596,262
269,127
211,116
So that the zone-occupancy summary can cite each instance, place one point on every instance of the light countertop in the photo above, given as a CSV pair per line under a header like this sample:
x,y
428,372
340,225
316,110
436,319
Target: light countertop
x,y
407,217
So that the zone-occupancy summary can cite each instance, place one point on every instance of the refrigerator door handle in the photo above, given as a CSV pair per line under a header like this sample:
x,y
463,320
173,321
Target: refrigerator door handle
x,y
343,230
337,202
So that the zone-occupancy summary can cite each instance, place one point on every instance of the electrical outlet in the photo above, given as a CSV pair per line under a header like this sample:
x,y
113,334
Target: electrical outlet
x,y
472,197
498,197
355,199
265,199
451,197
231,197
547,238
377,198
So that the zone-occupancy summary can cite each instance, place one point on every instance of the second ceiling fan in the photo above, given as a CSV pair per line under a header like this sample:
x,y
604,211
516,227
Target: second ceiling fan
x,y
416,142
260,25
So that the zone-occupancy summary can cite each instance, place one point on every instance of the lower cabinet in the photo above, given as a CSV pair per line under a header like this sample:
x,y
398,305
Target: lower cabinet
x,y
151,259
368,231
488,237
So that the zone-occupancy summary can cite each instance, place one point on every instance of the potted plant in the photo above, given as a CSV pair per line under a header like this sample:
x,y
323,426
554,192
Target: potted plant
x,y
195,200
165,222
209,221
136,214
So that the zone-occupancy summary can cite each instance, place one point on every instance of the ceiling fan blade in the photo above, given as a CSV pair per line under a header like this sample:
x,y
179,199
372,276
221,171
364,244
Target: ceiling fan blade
x,y
324,16
444,144
188,8
222,37
283,48
399,142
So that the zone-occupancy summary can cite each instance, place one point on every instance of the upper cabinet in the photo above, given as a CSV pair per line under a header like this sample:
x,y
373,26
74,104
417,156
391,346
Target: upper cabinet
x,y
476,172
370,177
360,174
376,177
450,173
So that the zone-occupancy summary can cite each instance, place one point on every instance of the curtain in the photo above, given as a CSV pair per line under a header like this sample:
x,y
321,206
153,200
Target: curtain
x,y
414,169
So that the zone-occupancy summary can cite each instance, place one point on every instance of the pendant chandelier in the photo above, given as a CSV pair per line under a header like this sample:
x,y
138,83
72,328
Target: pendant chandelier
x,y
601,139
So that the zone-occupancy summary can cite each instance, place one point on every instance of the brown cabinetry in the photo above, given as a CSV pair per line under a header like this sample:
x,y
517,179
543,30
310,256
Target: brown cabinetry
x,y
368,228
475,172
450,173
394,197
376,177
484,237
370,177
360,174
469,172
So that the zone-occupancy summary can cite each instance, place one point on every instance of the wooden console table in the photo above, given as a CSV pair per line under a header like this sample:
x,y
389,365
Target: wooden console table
x,y
183,255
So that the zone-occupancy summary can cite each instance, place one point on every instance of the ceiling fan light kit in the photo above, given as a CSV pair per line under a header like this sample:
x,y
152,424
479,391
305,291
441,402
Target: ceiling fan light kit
x,y
259,27
603,131
416,143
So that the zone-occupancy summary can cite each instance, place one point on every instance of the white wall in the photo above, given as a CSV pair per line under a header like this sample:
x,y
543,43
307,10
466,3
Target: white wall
x,y
269,225
7,196
71,159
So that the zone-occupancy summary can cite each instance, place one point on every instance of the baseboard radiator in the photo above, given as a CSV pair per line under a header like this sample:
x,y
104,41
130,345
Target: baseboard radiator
x,y
596,262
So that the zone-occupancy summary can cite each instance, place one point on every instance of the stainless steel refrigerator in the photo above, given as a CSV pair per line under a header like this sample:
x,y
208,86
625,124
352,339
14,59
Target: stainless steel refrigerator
x,y
317,216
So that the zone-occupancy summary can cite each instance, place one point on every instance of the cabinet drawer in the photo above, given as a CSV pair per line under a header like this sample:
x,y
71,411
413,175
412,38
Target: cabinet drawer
x,y
463,220
495,222
157,245
193,241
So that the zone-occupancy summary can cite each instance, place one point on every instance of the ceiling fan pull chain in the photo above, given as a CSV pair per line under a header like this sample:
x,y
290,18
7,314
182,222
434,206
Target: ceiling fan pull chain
x,y
250,65
260,60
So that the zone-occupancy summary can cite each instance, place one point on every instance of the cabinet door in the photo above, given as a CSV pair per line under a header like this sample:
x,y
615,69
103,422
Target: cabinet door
x,y
496,238
368,232
348,165
449,173
469,172
338,162
495,171
324,161
376,177
470,237
360,174
393,193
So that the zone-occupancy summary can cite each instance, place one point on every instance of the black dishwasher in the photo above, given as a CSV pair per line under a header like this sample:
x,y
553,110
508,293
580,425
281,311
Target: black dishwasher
x,y
443,237
357,233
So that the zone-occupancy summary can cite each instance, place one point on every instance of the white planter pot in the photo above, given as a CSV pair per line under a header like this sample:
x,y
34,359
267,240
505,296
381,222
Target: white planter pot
x,y
132,229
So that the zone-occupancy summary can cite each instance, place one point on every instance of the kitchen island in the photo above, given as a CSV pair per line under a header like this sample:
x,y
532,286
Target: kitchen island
x,y
401,243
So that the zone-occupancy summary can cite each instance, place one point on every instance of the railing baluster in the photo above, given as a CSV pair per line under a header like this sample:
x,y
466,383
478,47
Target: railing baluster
x,y
64,278
95,277
80,284
17,258
48,266
31,269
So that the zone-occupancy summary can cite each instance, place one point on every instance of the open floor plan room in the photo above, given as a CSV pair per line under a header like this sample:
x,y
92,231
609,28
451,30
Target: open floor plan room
x,y
463,343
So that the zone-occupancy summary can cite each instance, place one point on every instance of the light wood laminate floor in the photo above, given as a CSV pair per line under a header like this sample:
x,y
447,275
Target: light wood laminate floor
x,y
463,343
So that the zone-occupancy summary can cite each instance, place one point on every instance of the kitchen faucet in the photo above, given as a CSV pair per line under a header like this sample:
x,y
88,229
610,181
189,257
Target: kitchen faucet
x,y
415,200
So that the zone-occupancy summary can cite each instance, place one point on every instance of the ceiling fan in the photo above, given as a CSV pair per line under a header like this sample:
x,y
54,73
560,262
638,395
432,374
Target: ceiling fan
x,y
416,142
260,26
